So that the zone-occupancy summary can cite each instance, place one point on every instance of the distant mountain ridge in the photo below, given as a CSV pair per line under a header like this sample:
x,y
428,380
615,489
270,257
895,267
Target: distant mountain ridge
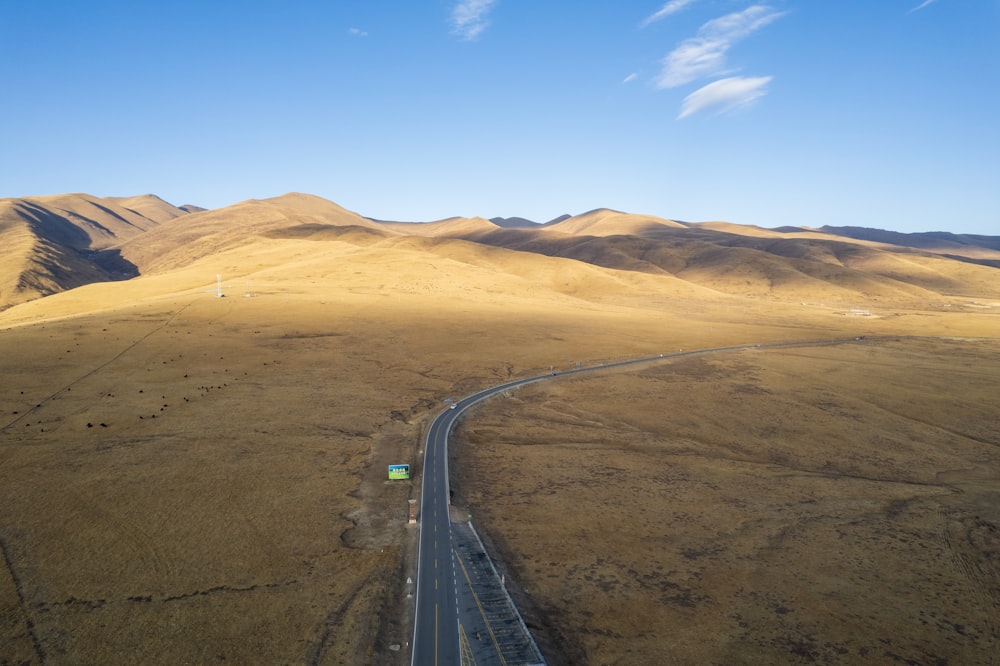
x,y
970,246
513,222
56,243
917,239
525,223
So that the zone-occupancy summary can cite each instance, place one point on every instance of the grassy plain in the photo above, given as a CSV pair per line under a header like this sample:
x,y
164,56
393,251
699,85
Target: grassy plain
x,y
809,505
193,479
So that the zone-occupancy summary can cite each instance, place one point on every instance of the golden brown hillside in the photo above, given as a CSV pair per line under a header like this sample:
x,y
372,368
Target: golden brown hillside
x,y
128,236
607,222
54,243
455,226
188,478
939,242
182,241
816,270
149,206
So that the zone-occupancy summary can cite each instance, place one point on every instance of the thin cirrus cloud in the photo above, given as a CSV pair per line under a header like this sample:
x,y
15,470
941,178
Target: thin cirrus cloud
x,y
705,53
921,6
470,17
666,10
725,95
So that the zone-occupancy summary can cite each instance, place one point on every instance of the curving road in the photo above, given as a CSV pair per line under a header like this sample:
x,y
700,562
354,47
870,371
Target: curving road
x,y
435,628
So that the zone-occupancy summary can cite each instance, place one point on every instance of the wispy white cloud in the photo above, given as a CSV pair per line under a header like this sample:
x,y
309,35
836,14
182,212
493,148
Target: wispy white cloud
x,y
921,6
692,59
672,7
705,53
470,17
357,32
630,78
725,95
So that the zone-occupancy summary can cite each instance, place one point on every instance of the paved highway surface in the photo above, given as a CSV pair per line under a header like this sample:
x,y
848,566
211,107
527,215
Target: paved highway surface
x,y
435,631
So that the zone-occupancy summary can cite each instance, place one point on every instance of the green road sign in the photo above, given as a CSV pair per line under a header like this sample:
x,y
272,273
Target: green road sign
x,y
399,471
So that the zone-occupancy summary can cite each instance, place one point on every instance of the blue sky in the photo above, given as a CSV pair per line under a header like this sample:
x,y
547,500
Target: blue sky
x,y
788,112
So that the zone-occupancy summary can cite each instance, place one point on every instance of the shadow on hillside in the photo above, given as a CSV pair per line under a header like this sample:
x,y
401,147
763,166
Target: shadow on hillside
x,y
992,263
113,264
56,228
107,264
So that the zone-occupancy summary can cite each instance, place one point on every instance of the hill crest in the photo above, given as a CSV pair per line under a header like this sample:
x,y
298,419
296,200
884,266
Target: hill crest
x,y
64,241
608,222
59,242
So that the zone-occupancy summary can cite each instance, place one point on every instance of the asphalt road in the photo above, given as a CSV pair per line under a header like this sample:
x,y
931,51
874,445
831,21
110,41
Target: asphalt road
x,y
435,631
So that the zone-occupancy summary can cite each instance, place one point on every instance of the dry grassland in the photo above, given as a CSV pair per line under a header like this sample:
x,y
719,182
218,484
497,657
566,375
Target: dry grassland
x,y
189,479
835,505
175,487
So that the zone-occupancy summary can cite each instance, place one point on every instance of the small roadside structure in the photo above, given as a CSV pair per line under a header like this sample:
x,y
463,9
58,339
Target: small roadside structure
x,y
399,472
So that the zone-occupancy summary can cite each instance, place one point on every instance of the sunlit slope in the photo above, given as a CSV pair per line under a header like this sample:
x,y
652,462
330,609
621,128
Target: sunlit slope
x,y
762,263
607,222
258,239
149,206
971,246
372,267
600,222
19,244
55,243
182,241
65,241
105,222
875,269
453,226
946,267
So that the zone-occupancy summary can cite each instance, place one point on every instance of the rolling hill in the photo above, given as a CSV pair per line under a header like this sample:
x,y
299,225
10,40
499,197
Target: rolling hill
x,y
56,243
191,479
